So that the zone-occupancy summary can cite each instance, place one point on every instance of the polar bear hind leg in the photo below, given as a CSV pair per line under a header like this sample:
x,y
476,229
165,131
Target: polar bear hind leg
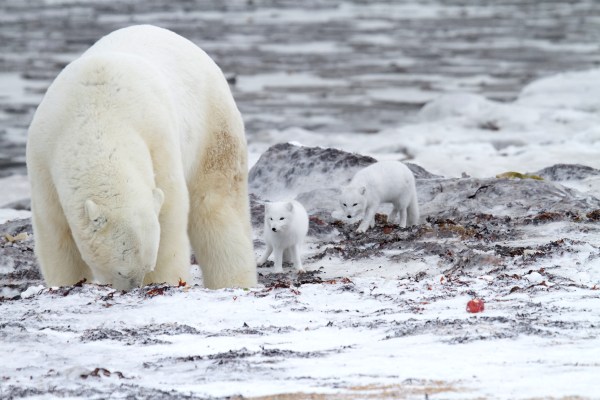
x,y
219,220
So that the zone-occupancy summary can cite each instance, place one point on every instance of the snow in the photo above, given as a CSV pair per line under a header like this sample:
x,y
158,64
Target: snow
x,y
370,329
8,214
355,334
460,133
372,334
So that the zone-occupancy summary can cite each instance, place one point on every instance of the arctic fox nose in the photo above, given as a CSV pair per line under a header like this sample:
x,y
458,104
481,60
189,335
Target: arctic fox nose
x,y
274,230
349,216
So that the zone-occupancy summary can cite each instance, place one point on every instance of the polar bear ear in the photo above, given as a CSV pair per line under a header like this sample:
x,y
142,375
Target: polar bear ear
x,y
93,211
159,199
362,190
289,206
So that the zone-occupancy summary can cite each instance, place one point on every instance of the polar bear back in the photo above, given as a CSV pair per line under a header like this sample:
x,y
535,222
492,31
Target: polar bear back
x,y
186,70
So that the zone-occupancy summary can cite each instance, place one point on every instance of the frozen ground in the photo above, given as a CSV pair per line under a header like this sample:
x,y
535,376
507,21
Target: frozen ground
x,y
380,315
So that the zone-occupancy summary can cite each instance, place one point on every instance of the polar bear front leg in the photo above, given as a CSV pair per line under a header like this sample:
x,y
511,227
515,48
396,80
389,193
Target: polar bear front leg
x,y
173,260
60,260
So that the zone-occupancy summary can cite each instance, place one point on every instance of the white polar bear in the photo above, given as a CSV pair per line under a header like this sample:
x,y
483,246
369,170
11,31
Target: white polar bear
x,y
136,150
381,182
286,225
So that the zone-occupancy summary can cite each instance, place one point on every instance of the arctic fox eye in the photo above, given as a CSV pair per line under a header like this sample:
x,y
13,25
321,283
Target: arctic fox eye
x,y
271,219
354,205
344,204
281,219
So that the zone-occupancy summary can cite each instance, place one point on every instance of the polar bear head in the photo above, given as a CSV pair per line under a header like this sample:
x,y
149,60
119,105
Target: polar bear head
x,y
353,202
278,216
120,244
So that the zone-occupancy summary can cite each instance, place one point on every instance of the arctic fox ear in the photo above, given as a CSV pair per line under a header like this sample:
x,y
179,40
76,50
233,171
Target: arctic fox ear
x,y
362,190
93,212
159,199
289,206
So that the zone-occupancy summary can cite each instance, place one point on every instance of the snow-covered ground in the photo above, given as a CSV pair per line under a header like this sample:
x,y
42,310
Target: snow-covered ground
x,y
362,327
381,315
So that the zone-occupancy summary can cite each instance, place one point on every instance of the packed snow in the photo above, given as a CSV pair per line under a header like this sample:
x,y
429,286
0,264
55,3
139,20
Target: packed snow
x,y
360,327
379,315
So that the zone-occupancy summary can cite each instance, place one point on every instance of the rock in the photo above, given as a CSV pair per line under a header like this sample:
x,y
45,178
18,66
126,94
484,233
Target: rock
x,y
19,256
286,171
313,176
23,204
500,197
567,172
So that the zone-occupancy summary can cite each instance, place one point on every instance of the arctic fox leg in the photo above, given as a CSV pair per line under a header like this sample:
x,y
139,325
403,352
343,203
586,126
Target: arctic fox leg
x,y
295,255
368,220
413,212
266,255
402,222
394,216
278,255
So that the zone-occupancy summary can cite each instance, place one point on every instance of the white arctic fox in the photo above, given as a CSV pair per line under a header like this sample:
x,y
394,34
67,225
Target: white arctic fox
x,y
286,225
382,182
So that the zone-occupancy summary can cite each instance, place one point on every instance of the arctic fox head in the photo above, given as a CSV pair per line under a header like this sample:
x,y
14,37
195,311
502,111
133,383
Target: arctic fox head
x,y
121,245
278,216
353,202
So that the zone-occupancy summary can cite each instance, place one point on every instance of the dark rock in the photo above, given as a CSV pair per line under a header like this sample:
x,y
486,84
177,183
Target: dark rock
x,y
20,269
514,197
23,204
285,171
567,172
314,175
420,172
311,175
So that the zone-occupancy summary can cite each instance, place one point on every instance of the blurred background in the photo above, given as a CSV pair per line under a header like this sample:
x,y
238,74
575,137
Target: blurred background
x,y
329,67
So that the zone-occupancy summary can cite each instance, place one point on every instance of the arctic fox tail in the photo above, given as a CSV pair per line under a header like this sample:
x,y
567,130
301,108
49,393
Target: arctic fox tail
x,y
413,212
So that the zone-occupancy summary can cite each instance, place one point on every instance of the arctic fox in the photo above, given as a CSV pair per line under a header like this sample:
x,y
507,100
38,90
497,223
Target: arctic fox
x,y
286,225
382,182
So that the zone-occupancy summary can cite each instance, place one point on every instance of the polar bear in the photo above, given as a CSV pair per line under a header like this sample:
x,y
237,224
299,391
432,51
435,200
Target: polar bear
x,y
381,182
137,151
286,225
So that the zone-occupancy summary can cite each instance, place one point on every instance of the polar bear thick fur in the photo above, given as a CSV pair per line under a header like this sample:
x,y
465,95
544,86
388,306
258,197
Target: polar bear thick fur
x,y
136,151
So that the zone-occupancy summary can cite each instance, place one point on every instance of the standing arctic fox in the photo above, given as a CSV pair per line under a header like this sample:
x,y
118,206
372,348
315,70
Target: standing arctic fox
x,y
382,182
286,225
